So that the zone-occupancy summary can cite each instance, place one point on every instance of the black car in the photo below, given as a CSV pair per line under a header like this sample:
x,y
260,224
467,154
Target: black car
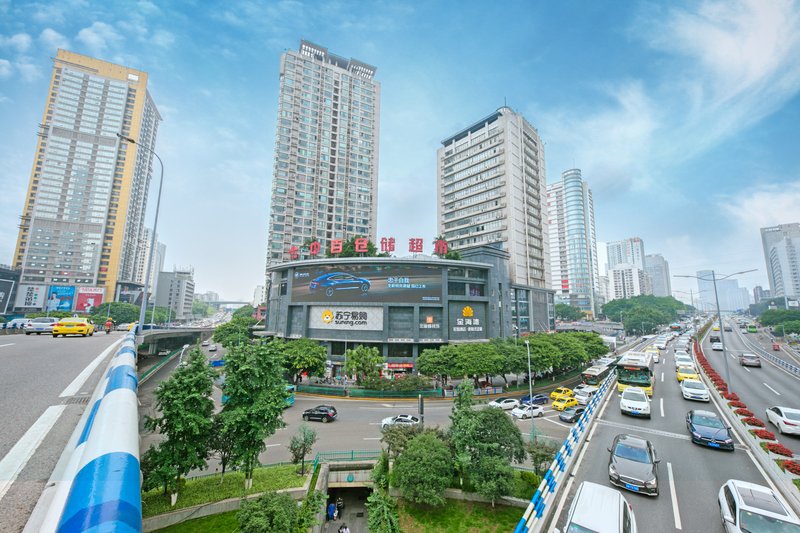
x,y
707,429
633,464
571,414
537,399
323,413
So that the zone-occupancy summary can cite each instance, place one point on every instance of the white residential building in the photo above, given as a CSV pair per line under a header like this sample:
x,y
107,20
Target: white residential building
x,y
782,256
176,292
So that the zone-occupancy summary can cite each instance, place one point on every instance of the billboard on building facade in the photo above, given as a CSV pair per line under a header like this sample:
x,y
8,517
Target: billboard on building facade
x,y
31,296
367,283
88,299
6,286
346,318
60,298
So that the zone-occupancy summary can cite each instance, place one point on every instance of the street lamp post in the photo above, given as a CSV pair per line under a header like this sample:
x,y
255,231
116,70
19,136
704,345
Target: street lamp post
x,y
714,279
143,308
530,389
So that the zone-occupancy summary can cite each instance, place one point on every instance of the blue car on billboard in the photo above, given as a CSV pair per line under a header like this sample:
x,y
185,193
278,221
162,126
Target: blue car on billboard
x,y
338,281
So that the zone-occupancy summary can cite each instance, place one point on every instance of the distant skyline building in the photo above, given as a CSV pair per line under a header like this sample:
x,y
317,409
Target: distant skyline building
x,y
176,292
759,293
731,296
782,256
143,259
573,243
492,188
259,295
83,216
628,251
657,269
325,175
628,281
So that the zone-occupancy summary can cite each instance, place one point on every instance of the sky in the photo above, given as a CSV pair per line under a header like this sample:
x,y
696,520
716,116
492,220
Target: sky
x,y
682,116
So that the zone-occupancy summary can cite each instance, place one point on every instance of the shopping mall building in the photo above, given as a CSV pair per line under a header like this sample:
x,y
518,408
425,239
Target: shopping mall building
x,y
402,306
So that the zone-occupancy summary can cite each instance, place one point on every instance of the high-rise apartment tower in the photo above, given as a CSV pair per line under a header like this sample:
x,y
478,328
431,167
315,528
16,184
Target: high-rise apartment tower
x,y
492,188
782,256
573,243
83,216
658,269
325,177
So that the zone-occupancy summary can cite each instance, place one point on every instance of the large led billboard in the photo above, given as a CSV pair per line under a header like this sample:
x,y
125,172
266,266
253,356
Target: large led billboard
x,y
367,283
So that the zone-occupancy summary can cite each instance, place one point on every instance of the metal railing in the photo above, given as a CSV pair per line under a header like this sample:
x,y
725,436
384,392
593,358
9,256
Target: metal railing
x,y
537,513
763,352
352,455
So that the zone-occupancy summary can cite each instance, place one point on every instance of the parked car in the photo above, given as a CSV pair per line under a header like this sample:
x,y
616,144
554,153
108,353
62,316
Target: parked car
x,y
42,324
561,393
527,411
73,326
747,507
633,464
634,402
536,399
571,414
564,403
399,420
786,419
323,413
694,389
17,323
337,281
205,343
708,429
504,403
599,508
750,359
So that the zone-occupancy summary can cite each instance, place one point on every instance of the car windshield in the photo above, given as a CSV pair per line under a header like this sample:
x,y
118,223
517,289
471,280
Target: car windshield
x,y
634,395
632,453
693,385
708,421
577,528
43,319
686,370
756,523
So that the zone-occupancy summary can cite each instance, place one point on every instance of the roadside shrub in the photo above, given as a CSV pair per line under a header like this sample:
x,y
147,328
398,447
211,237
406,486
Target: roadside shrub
x,y
779,449
731,396
763,434
792,466
752,421
408,383
737,405
744,412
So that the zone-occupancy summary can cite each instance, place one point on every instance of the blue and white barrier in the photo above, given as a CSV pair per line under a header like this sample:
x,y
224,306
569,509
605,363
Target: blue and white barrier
x,y
534,517
101,490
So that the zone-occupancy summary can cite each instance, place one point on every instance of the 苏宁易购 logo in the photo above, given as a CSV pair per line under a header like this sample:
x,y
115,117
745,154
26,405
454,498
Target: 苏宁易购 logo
x,y
327,316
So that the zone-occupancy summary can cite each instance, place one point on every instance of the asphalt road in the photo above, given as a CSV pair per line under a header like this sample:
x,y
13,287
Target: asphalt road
x,y
696,472
39,412
758,388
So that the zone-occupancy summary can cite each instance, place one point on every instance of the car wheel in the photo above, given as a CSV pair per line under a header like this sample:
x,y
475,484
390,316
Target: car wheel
x,y
305,417
324,419
83,334
329,292
364,287
541,414
38,332
91,334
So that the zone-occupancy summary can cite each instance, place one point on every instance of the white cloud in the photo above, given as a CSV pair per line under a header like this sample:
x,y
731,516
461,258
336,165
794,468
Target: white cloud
x,y
763,205
28,71
98,37
5,68
20,42
4,98
162,38
53,40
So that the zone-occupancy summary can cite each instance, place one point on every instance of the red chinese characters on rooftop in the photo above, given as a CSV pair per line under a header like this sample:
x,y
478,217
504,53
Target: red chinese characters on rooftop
x,y
361,246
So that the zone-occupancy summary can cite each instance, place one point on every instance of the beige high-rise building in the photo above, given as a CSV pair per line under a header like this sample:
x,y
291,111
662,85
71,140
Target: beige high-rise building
x,y
83,216
325,177
492,190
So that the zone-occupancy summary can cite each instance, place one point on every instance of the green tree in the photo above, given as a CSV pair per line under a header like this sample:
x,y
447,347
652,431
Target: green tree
x,y
592,343
792,326
307,514
514,359
382,515
184,401
573,353
493,477
437,362
349,249
489,432
568,313
301,445
201,309
545,355
236,331
256,397
246,311
221,442
272,512
397,437
120,313
423,471
158,470
363,362
380,472
304,355
542,454
645,319
479,359
772,317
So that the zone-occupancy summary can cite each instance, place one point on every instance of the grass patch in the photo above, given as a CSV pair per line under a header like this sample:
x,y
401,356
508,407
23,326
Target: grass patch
x,y
796,483
209,489
218,523
313,484
458,517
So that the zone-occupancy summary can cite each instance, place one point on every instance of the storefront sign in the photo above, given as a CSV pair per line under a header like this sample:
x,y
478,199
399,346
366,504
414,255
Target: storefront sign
x,y
88,298
468,322
31,296
361,246
399,365
346,318
429,322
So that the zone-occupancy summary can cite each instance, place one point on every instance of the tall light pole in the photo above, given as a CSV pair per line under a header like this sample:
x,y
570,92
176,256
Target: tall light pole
x,y
530,389
143,308
691,294
714,279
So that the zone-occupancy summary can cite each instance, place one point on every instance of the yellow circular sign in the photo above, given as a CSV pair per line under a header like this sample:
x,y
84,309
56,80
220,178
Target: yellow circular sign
x,y
467,312
327,316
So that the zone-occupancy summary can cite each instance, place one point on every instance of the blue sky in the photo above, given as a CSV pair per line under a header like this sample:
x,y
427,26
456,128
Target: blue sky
x,y
682,115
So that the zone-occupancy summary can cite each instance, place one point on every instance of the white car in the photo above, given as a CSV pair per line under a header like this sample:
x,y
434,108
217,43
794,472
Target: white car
x,y
212,348
786,419
599,508
399,420
585,394
747,507
683,360
527,411
205,343
634,401
504,403
682,352
40,325
693,389
716,346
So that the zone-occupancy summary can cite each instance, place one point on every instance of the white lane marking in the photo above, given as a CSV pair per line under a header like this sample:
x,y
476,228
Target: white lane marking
x,y
746,368
13,463
675,512
375,423
661,404
9,344
78,382
554,422
372,438
773,390
732,356
271,445
662,377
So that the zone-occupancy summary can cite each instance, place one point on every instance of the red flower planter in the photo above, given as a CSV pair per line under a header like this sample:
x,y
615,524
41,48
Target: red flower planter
x,y
744,412
738,405
779,449
764,434
731,396
792,466
752,421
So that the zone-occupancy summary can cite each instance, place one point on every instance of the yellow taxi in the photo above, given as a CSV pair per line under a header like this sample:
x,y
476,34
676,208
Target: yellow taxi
x,y
563,403
561,393
715,328
686,372
73,326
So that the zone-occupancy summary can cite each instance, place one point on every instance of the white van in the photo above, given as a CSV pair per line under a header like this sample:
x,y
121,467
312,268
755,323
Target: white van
x,y
599,508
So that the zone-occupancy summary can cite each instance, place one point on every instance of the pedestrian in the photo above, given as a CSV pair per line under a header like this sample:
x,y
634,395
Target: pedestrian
x,y
331,511
335,513
345,529
339,505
